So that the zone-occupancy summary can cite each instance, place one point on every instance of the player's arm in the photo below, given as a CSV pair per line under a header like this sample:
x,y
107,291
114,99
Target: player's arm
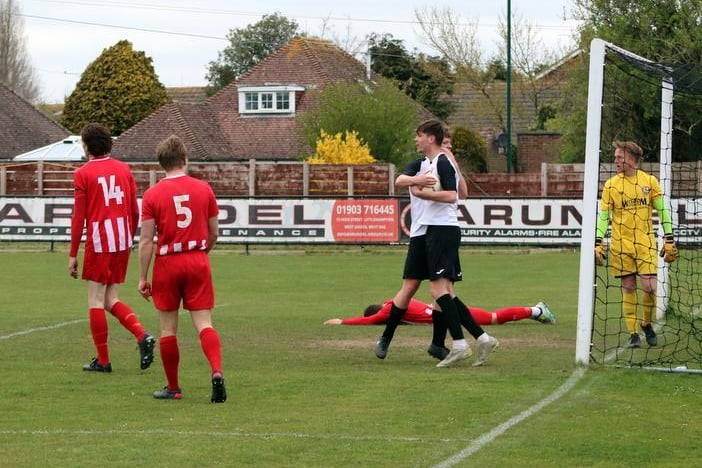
x,y
411,177
600,231
134,207
212,221
77,224
670,250
443,196
462,185
447,176
664,215
146,250
212,232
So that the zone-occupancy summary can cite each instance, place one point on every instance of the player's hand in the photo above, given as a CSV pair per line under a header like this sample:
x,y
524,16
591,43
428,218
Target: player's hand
x,y
600,252
73,267
669,252
144,289
426,179
334,321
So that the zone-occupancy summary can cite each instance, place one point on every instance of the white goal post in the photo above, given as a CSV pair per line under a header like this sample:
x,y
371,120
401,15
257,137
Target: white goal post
x,y
598,49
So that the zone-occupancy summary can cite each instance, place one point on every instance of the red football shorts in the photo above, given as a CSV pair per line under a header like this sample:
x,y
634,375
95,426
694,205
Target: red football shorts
x,y
185,277
106,268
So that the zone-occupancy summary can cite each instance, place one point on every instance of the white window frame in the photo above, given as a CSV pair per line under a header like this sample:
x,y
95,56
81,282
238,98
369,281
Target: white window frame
x,y
278,93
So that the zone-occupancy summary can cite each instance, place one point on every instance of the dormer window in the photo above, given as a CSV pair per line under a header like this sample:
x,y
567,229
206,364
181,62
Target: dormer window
x,y
268,99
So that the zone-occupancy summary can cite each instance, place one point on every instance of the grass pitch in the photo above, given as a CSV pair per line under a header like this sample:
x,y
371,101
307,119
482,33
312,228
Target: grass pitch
x,y
302,394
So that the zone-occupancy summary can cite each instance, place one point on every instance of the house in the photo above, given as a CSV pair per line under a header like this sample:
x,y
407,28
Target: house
x,y
23,127
484,111
255,115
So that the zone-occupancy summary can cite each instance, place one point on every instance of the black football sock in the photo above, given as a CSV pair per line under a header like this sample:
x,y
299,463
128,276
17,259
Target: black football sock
x,y
448,307
467,319
438,329
394,320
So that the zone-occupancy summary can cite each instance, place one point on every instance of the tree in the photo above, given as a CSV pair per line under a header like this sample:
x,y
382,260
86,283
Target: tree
x,y
456,40
470,149
248,46
529,58
663,31
382,116
425,79
16,71
118,89
341,149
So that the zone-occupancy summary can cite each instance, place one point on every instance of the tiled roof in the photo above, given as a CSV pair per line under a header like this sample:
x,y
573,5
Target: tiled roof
x,y
216,130
187,94
23,127
192,122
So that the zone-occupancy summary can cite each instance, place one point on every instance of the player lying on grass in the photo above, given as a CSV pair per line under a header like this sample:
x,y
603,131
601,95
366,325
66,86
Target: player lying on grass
x,y
420,312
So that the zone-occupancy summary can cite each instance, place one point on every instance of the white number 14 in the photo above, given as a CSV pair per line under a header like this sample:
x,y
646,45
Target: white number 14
x,y
111,191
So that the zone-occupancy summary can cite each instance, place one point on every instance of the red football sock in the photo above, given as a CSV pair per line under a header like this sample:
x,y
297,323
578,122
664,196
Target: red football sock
x,y
98,328
126,317
170,356
209,340
511,314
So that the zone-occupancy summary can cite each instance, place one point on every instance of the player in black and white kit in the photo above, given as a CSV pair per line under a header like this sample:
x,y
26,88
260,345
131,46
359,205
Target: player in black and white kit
x,y
434,241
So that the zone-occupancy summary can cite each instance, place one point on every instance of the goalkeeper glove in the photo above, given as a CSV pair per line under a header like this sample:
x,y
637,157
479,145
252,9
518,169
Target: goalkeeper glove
x,y
600,252
669,252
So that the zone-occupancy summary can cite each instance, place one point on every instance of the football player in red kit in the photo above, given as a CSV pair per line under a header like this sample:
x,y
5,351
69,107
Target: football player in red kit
x,y
105,202
420,312
182,212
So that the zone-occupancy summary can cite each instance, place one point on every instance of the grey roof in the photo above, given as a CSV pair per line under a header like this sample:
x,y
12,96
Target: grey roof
x,y
68,149
23,127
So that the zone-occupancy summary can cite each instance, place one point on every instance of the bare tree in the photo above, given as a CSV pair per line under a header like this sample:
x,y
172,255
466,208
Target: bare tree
x,y
347,40
530,58
16,71
456,39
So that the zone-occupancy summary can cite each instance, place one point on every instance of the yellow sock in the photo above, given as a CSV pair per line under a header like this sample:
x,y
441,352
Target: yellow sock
x,y
648,302
629,310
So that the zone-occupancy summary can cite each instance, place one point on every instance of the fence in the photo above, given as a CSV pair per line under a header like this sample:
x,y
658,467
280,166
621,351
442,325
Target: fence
x,y
294,179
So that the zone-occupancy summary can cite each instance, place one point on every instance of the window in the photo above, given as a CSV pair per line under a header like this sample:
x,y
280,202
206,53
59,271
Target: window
x,y
282,101
268,99
251,101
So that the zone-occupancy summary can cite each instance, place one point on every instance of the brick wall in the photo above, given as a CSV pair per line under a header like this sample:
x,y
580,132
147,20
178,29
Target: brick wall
x,y
536,148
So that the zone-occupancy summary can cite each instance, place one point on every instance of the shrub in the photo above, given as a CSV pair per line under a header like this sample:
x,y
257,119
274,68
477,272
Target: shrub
x,y
338,149
470,149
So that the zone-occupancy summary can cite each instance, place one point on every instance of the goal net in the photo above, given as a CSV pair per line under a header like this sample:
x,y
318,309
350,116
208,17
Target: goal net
x,y
633,98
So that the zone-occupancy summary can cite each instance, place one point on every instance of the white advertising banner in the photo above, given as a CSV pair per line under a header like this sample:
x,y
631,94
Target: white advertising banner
x,y
358,220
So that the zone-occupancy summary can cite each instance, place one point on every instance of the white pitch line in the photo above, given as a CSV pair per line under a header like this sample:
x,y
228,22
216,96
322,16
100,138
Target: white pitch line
x,y
488,437
236,434
58,325
48,327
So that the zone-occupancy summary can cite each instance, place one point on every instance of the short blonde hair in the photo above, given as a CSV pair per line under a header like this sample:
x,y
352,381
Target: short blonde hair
x,y
171,153
630,147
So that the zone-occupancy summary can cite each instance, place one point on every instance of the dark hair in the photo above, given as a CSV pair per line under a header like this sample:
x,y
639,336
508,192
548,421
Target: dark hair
x,y
433,128
372,310
171,153
97,139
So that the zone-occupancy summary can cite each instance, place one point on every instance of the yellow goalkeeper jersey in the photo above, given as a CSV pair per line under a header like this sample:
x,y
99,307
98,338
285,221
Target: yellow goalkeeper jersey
x,y
630,203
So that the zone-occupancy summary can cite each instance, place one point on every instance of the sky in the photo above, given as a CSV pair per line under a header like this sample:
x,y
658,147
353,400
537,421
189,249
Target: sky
x,y
183,37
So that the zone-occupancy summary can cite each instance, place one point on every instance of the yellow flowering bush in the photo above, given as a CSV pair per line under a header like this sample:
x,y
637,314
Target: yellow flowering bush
x,y
341,149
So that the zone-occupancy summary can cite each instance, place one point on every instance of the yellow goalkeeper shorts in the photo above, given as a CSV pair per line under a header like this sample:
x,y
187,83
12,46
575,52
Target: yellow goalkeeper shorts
x,y
642,261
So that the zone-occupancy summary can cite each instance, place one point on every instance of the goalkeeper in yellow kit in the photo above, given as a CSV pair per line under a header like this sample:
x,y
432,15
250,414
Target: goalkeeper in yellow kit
x,y
628,199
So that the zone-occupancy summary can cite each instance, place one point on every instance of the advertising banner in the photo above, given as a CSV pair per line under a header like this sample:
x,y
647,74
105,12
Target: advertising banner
x,y
506,221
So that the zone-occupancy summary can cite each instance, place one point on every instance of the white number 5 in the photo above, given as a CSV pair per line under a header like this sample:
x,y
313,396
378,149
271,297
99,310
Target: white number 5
x,y
183,210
